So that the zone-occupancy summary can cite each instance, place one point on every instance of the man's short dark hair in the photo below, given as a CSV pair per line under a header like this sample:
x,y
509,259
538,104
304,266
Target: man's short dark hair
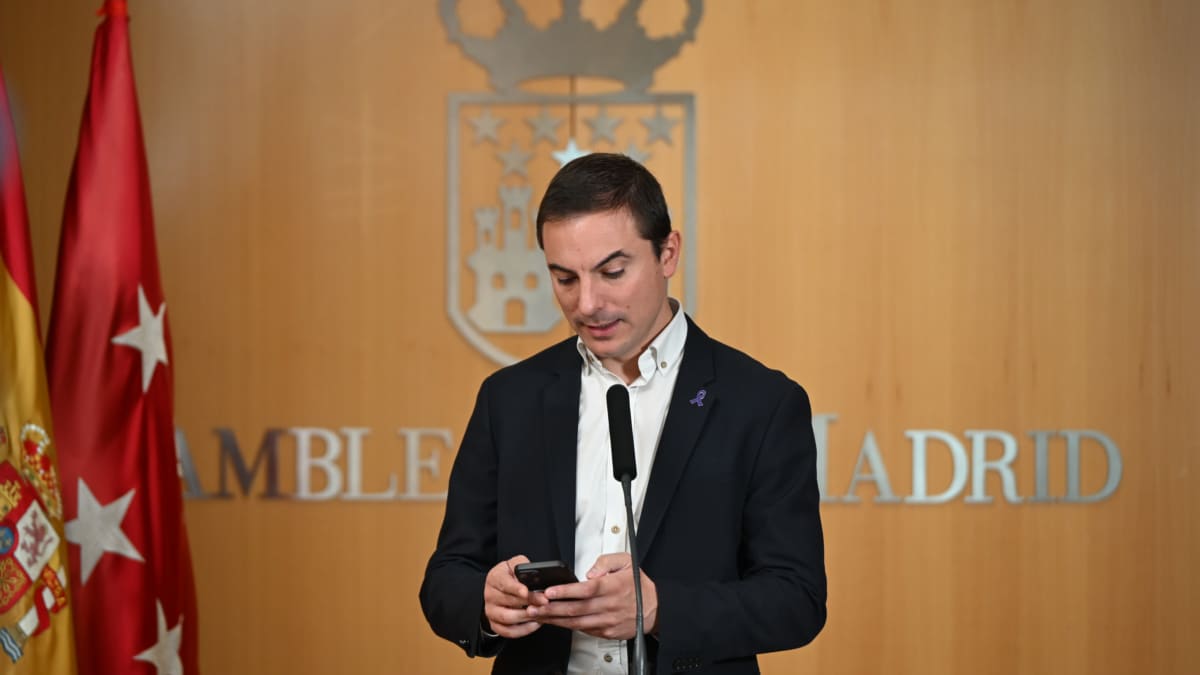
x,y
602,182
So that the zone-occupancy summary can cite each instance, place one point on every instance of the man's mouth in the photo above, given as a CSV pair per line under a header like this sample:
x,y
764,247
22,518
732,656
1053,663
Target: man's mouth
x,y
601,330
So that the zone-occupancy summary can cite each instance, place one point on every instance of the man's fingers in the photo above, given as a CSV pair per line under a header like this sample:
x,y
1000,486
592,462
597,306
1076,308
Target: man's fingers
x,y
602,606
516,630
506,616
522,629
575,591
538,599
511,587
562,609
609,563
594,625
496,598
503,579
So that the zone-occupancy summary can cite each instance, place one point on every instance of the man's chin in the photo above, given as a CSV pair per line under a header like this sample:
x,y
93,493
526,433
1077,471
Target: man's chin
x,y
602,349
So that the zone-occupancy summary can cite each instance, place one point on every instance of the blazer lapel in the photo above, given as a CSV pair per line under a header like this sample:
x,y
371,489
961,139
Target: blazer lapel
x,y
691,403
560,428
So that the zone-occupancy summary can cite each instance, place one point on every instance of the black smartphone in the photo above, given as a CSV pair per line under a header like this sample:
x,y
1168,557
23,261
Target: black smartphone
x,y
538,576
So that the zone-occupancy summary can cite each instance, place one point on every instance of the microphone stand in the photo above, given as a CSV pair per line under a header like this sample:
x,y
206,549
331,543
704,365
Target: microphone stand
x,y
639,644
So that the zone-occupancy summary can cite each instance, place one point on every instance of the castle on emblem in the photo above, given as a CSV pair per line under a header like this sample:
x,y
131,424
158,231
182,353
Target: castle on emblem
x,y
508,270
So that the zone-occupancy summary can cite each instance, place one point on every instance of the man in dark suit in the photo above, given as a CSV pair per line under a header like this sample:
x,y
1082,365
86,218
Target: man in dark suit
x,y
729,532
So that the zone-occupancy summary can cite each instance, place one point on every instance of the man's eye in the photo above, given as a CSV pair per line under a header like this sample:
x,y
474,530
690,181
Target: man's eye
x,y
613,274
565,281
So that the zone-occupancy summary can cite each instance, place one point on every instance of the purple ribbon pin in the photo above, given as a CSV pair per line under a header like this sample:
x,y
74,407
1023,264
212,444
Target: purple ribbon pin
x,y
699,400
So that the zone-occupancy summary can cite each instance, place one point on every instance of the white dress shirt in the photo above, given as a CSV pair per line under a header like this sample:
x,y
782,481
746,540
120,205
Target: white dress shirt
x,y
599,500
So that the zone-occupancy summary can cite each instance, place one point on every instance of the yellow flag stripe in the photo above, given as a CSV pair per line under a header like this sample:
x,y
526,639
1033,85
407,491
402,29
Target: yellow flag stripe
x,y
23,392
24,399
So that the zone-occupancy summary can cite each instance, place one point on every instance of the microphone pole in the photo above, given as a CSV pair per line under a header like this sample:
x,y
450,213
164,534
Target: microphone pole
x,y
620,433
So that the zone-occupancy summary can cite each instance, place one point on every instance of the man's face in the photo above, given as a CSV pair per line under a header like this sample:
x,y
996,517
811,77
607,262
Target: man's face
x,y
608,282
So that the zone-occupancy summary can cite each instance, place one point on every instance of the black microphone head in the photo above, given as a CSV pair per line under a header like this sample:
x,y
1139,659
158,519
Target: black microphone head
x,y
620,433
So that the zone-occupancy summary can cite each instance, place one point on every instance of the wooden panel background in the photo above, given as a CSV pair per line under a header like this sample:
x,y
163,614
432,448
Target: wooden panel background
x,y
951,215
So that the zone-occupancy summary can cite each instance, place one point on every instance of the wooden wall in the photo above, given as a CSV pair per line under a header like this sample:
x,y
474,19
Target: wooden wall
x,y
947,215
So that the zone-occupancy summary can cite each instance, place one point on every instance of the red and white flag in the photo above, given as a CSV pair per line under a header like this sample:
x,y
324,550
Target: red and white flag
x,y
109,367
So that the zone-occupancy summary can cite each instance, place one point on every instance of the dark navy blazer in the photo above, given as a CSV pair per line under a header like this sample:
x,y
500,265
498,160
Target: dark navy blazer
x,y
730,530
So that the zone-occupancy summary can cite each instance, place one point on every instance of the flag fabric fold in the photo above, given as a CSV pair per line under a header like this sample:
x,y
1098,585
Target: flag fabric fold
x,y
109,366
35,617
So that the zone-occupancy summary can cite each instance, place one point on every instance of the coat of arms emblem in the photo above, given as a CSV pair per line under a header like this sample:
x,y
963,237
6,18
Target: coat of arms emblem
x,y
569,88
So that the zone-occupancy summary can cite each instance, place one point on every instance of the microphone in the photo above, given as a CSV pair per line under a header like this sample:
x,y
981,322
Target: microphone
x,y
624,461
620,433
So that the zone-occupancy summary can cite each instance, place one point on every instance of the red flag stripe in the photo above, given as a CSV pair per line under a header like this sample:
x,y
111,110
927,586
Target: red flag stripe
x,y
15,249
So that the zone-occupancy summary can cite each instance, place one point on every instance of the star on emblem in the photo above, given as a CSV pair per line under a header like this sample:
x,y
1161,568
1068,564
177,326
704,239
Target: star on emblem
x,y
97,530
514,160
569,153
603,126
659,126
544,126
164,654
636,154
486,126
147,337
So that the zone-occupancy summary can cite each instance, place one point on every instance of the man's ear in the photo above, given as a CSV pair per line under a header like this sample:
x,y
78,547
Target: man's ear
x,y
669,256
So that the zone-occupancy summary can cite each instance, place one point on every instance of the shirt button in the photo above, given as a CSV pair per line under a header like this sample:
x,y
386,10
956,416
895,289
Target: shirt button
x,y
608,658
663,364
616,529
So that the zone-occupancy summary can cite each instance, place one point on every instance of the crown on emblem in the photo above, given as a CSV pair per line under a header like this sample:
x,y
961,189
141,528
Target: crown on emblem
x,y
571,45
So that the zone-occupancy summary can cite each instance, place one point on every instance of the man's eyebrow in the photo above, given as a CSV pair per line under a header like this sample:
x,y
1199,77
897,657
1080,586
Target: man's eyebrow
x,y
607,259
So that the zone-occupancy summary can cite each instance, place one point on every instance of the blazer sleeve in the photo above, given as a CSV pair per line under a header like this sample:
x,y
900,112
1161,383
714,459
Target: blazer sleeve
x,y
778,601
452,591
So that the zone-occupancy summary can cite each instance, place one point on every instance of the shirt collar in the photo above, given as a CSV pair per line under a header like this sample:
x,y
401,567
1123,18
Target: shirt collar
x,y
664,352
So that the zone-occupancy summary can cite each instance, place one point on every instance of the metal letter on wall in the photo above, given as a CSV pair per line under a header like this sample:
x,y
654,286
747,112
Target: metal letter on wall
x,y
504,146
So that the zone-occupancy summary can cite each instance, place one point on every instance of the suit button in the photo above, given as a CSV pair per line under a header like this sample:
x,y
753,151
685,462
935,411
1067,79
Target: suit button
x,y
616,529
608,658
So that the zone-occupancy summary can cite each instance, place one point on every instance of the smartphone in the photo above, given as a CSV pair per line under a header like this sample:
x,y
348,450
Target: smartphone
x,y
538,576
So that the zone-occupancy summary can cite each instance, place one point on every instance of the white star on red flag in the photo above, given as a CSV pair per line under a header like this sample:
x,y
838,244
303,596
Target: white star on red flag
x,y
164,654
97,530
147,337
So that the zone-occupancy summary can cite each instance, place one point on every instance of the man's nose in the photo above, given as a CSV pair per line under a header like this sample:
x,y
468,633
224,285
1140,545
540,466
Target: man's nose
x,y
589,297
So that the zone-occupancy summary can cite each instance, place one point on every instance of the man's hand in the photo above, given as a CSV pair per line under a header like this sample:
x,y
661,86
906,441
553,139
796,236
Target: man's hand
x,y
603,605
505,601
